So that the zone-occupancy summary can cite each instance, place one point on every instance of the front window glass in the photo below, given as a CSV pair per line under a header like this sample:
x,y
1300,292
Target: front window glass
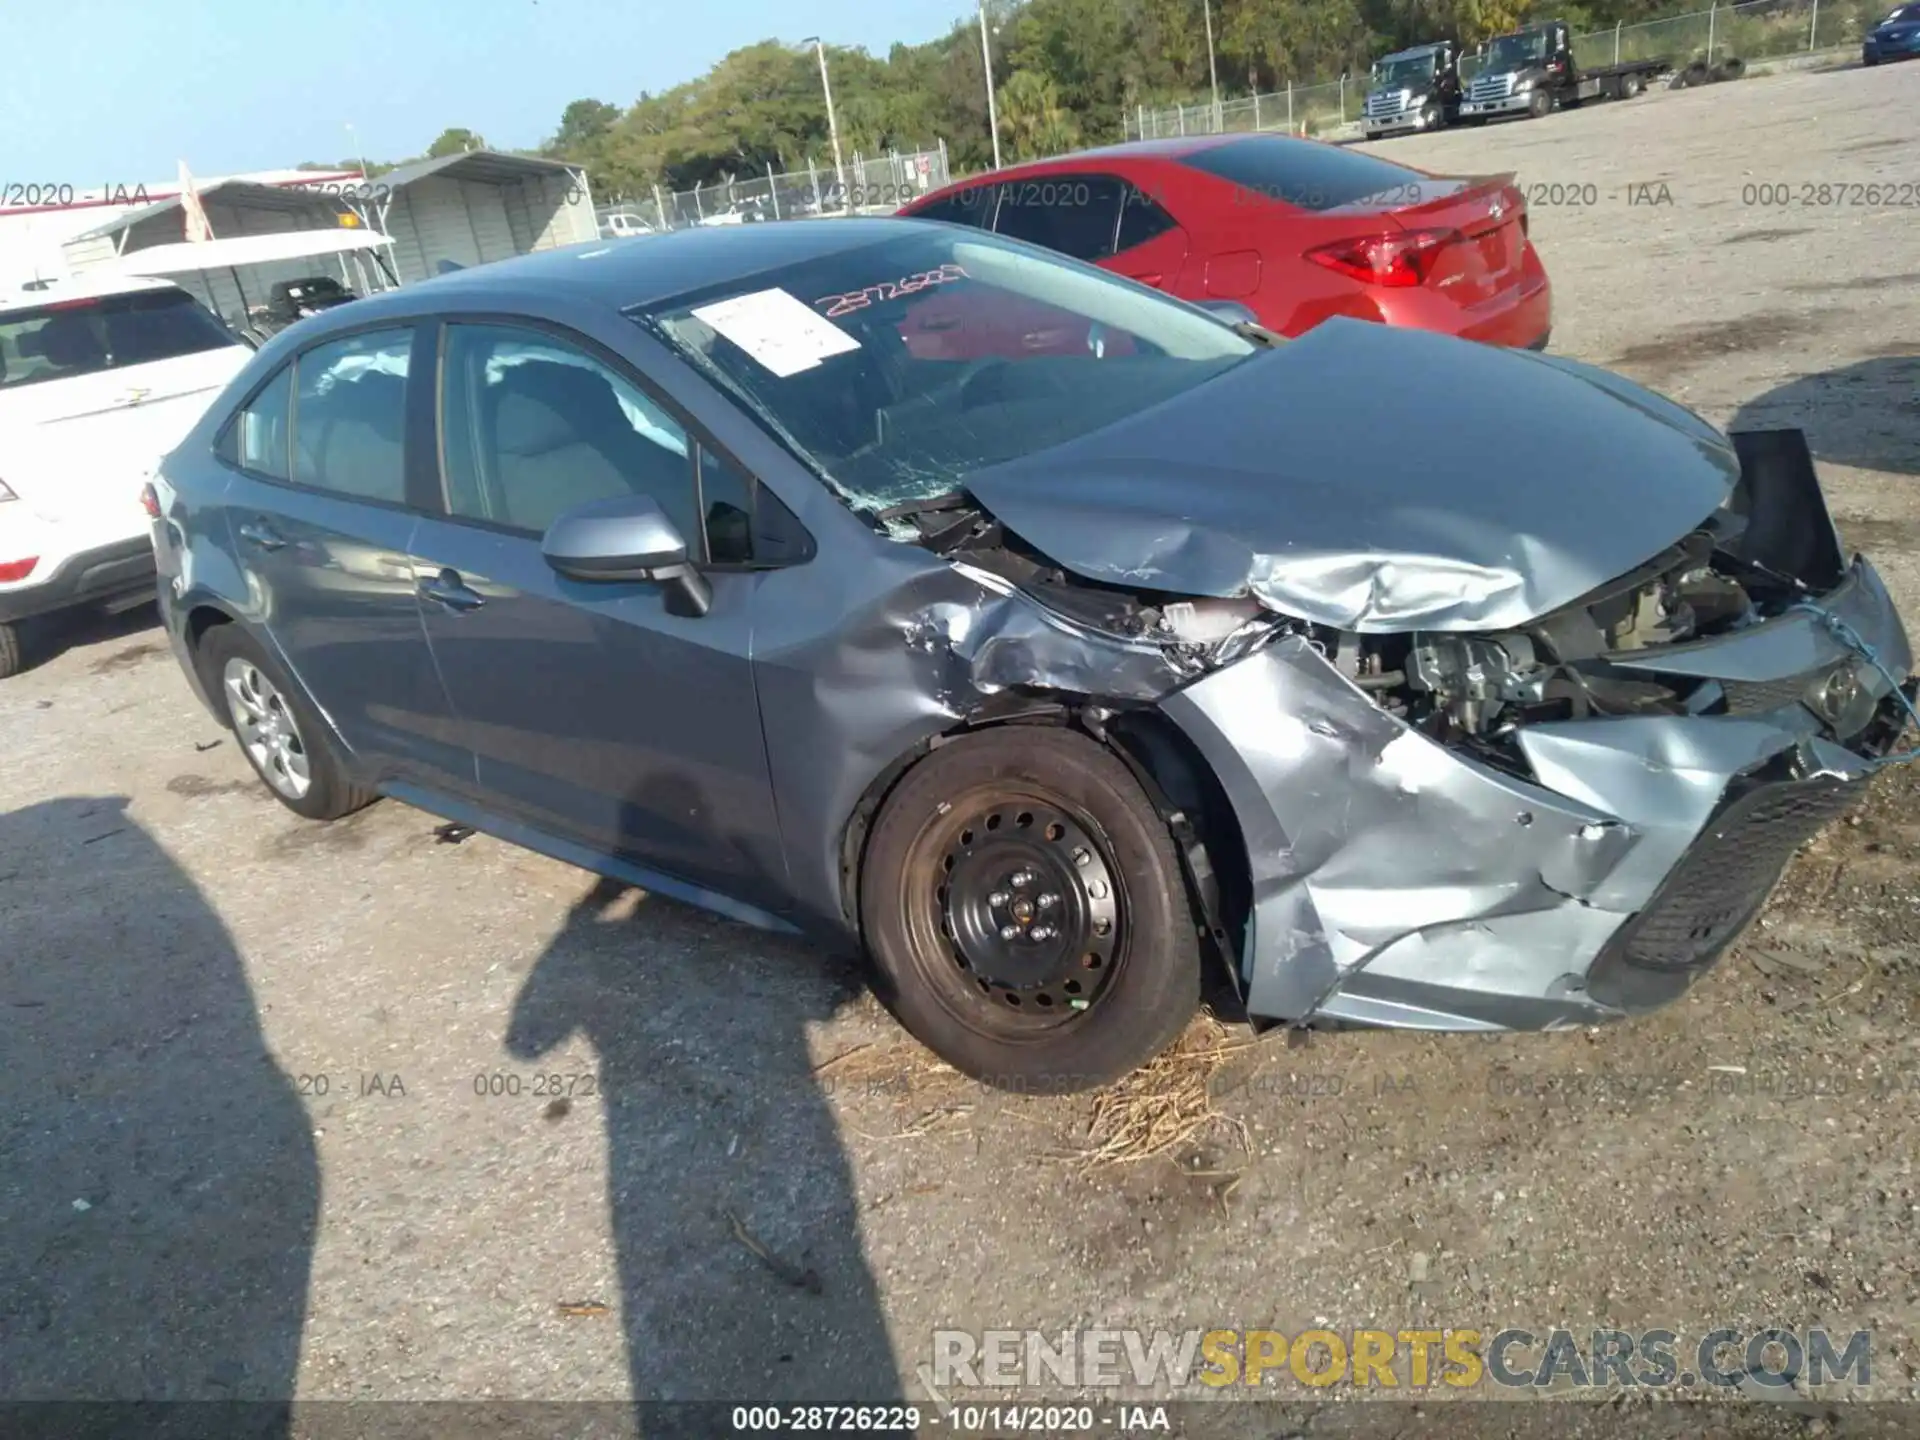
x,y
1516,52
1408,71
900,367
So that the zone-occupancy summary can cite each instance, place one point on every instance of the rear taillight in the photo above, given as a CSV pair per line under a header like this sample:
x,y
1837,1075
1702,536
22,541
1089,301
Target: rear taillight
x,y
150,500
12,570
1398,260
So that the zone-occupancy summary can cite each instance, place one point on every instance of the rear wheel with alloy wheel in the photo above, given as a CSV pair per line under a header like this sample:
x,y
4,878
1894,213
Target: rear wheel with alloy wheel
x,y
1027,913
289,747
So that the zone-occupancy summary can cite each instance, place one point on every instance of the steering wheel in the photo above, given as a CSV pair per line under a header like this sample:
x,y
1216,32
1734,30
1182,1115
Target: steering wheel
x,y
973,376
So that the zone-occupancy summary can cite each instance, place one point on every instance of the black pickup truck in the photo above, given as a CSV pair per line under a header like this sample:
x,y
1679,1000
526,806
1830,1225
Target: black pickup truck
x,y
1532,72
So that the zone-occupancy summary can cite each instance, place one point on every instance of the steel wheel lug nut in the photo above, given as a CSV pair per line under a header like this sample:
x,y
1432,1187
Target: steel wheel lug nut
x,y
1043,932
1082,856
1009,932
1048,900
998,897
1022,879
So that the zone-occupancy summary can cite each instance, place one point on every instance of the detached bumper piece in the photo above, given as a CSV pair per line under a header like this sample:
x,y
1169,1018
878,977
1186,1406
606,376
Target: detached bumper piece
x,y
1720,884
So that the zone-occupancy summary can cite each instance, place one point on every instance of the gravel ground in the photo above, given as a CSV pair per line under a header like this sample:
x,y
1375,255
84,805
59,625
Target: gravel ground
x,y
347,1112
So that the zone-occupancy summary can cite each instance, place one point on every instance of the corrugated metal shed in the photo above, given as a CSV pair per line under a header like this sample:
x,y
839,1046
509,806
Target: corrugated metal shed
x,y
479,206
466,209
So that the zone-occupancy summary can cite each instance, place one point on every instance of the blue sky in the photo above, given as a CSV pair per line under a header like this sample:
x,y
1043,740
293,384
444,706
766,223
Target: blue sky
x,y
120,91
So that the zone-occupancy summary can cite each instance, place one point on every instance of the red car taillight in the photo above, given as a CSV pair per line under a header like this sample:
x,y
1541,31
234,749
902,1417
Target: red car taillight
x,y
1398,260
12,570
150,501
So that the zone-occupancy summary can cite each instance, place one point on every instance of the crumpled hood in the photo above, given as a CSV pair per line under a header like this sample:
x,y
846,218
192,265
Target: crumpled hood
x,y
1376,480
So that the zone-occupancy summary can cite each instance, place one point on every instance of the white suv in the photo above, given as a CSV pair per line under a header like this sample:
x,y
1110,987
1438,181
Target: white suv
x,y
99,378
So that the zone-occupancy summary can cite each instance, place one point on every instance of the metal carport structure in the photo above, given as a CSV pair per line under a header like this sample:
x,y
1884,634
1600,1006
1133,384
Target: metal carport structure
x,y
477,206
235,209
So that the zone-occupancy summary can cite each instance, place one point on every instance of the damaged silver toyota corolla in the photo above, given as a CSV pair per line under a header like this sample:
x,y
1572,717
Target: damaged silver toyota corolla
x,y
891,581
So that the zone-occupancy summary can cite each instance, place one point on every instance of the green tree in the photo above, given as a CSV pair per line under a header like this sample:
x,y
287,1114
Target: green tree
x,y
453,142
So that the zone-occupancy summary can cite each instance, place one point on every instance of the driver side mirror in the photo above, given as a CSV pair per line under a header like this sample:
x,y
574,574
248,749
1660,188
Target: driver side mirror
x,y
624,539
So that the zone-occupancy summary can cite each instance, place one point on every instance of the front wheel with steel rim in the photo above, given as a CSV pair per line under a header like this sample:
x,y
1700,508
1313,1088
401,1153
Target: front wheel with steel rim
x,y
289,747
1027,914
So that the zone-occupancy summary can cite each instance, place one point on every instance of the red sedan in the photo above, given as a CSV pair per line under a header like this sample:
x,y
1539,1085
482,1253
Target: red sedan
x,y
1295,230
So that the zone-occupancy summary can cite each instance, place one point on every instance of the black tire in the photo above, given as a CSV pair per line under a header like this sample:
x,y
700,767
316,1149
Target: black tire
x,y
1433,117
329,792
1539,105
12,658
969,972
1629,87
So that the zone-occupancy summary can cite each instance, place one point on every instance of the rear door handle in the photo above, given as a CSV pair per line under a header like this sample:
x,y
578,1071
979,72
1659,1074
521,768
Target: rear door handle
x,y
451,591
258,532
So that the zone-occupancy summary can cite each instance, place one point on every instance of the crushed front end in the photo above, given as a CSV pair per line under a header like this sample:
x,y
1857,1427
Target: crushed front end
x,y
1565,820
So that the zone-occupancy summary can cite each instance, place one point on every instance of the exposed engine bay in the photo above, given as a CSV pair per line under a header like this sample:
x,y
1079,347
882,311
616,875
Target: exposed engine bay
x,y
1597,656
1494,797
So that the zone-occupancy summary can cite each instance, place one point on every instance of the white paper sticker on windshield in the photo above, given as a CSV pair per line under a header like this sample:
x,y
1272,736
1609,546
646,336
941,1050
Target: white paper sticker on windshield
x,y
777,330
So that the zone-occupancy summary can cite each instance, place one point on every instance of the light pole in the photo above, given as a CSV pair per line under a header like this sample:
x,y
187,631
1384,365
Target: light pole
x,y
833,125
1213,73
986,63
354,140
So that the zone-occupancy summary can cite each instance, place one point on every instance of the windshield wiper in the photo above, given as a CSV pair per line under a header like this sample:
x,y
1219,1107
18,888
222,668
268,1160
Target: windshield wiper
x,y
907,509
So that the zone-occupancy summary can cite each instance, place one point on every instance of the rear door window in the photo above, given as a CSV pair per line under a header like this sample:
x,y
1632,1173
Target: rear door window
x,y
1305,174
970,205
349,417
1076,215
259,439
106,332
1141,219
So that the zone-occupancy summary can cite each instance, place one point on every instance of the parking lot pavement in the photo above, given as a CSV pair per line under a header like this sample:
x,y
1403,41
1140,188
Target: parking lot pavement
x,y
355,1111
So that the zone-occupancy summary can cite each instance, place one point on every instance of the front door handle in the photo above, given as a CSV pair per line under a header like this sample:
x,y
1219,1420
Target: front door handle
x,y
451,591
258,532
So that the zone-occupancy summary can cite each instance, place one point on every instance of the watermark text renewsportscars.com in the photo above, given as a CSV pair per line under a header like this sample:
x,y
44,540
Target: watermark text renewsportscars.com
x,y
1197,1361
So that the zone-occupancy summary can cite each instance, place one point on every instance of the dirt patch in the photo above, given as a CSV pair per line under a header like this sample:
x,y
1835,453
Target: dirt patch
x,y
199,787
1859,282
1713,340
309,836
1874,536
127,659
1762,237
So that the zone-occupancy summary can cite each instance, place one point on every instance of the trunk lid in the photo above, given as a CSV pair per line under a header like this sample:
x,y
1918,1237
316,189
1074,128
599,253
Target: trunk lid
x,y
1489,212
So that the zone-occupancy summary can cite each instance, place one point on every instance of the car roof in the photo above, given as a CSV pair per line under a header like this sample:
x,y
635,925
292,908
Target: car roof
x,y
1413,52
642,270
88,285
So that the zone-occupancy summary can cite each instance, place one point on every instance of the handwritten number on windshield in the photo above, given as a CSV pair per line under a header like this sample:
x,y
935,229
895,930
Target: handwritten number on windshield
x,y
845,304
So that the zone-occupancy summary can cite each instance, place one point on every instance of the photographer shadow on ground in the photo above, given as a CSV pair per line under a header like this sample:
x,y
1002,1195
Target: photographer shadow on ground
x,y
159,1187
1865,415
734,1218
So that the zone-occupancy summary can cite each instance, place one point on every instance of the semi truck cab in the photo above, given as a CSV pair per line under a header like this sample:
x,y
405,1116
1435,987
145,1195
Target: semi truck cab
x,y
1415,89
1533,72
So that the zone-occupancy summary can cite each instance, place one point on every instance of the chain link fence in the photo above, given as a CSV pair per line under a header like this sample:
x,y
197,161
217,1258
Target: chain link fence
x,y
1755,31
872,185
